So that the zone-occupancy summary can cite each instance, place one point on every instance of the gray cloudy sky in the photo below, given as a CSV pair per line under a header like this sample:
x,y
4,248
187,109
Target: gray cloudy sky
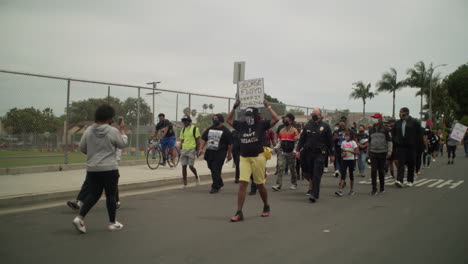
x,y
309,52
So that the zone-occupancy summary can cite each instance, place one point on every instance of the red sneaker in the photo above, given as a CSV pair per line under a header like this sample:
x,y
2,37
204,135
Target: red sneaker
x,y
238,217
266,211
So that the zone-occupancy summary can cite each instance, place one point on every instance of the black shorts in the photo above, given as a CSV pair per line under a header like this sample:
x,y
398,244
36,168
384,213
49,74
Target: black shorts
x,y
309,160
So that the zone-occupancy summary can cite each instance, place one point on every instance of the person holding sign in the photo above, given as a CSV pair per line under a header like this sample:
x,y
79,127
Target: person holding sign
x,y
251,133
218,142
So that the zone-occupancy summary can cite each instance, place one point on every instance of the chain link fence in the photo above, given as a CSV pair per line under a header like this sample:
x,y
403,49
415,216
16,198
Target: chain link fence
x,y
42,118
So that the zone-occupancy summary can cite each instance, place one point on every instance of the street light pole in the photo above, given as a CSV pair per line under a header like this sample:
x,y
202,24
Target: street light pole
x,y
154,92
430,88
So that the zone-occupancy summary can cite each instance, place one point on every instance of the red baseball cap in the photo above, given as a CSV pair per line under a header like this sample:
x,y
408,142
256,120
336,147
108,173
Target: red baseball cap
x,y
377,115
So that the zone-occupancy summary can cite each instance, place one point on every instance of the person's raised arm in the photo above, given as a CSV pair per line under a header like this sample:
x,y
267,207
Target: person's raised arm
x,y
230,117
274,117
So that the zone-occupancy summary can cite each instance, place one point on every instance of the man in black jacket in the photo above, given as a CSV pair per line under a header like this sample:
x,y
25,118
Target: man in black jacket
x,y
406,134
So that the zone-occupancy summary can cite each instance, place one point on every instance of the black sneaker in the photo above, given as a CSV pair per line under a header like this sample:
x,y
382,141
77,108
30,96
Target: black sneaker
x,y
73,205
309,193
374,193
312,199
214,190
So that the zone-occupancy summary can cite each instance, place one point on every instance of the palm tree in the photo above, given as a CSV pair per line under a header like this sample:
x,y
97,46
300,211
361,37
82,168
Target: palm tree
x,y
362,91
205,106
418,77
389,83
211,106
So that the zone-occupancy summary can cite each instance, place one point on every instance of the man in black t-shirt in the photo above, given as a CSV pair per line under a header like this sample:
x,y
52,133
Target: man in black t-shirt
x,y
252,162
218,142
168,138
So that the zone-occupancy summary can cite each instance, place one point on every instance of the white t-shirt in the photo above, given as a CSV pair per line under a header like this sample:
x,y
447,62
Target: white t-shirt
x,y
348,145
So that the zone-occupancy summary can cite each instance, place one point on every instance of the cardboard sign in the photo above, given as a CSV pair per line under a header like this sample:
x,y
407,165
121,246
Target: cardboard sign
x,y
458,132
251,93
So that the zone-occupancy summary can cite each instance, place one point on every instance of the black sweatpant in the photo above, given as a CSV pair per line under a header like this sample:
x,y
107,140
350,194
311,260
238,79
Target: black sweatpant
x,y
378,165
348,165
215,164
418,160
405,156
97,182
313,163
84,191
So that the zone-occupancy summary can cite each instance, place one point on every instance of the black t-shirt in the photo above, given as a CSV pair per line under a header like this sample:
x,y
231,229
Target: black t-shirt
x,y
340,138
361,139
251,137
217,140
166,123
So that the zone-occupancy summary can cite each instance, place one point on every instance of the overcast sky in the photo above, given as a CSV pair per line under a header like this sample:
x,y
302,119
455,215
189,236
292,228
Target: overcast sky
x,y
309,52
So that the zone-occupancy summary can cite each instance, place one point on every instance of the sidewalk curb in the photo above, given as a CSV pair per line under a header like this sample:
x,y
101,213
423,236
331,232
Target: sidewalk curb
x,y
58,167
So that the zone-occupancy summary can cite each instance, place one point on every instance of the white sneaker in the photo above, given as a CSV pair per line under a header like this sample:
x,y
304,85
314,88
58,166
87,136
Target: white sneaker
x,y
293,187
79,225
399,184
325,170
198,180
433,160
276,187
409,184
115,226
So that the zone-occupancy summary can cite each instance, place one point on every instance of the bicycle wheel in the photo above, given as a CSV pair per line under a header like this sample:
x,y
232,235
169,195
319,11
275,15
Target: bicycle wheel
x,y
153,158
176,159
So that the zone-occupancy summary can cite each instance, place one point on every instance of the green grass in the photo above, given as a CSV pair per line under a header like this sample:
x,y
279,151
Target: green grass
x,y
20,161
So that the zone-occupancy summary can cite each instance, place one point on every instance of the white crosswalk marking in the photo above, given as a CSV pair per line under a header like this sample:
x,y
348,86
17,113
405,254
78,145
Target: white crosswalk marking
x,y
430,183
436,183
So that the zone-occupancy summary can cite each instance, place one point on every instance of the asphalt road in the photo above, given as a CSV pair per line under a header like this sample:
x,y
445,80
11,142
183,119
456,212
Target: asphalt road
x,y
422,224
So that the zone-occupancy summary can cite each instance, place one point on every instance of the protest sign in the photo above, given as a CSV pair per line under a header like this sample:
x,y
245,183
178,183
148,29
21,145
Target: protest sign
x,y
251,93
458,132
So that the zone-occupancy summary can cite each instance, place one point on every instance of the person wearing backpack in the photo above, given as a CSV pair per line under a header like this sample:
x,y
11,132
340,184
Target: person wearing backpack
x,y
189,137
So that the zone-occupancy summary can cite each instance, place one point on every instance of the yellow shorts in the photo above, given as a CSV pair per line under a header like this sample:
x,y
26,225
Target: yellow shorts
x,y
254,166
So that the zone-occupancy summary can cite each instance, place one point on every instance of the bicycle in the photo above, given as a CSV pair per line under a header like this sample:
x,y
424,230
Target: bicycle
x,y
154,154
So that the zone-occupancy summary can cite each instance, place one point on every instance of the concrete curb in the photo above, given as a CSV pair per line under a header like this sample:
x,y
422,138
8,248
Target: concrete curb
x,y
58,167
33,199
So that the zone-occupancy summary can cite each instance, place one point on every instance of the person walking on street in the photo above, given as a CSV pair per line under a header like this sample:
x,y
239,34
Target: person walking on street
x,y
405,138
315,143
252,163
99,143
349,151
189,141
451,148
380,150
218,141
338,138
362,138
287,138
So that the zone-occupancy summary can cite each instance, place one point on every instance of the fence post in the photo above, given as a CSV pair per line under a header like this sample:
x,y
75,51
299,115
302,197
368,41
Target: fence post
x,y
177,108
138,125
65,128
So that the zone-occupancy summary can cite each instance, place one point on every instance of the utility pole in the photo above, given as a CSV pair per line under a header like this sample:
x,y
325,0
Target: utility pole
x,y
155,84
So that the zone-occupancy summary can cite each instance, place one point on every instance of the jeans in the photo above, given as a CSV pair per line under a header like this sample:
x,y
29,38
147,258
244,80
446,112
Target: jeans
x,y
362,161
377,165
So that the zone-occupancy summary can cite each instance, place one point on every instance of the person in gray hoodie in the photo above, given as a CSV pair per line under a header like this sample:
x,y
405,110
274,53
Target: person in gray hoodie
x,y
100,142
380,149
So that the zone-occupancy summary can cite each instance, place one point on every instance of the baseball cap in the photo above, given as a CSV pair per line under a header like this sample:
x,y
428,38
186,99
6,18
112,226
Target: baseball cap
x,y
251,111
186,118
377,115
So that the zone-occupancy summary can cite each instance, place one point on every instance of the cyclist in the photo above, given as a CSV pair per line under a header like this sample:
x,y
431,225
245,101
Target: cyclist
x,y
168,138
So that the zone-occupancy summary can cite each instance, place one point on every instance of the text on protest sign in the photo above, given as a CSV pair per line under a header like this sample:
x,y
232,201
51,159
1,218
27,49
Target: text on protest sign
x,y
458,132
251,93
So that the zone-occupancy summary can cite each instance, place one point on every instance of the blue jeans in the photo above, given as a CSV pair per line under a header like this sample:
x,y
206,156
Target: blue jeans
x,y
362,161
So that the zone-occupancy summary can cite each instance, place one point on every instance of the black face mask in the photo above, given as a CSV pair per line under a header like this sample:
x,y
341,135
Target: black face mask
x,y
315,117
286,123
